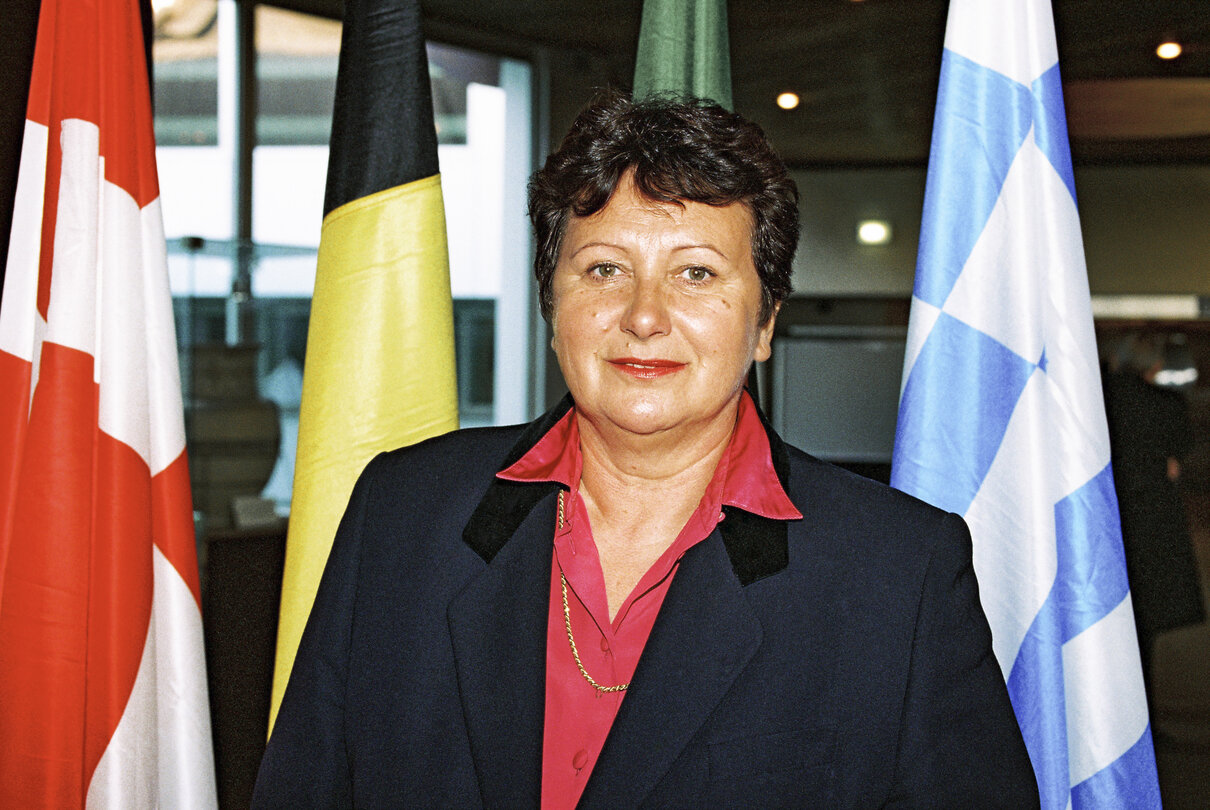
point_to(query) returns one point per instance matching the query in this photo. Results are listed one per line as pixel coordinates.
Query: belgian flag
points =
(379, 369)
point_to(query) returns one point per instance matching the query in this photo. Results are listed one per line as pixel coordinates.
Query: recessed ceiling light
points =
(873, 232)
(1168, 50)
(787, 100)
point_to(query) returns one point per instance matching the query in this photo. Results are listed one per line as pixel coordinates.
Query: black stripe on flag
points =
(382, 127)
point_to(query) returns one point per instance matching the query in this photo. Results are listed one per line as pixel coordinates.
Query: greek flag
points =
(1001, 418)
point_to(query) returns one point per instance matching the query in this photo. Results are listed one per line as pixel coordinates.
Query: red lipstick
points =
(646, 369)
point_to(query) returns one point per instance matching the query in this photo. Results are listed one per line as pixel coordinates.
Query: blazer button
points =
(604, 644)
(580, 759)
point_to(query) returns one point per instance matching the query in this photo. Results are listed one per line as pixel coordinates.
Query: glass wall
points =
(242, 306)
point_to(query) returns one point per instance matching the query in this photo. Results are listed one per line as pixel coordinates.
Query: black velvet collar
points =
(757, 545)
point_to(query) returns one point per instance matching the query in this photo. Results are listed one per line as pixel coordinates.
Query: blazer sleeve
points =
(306, 761)
(959, 745)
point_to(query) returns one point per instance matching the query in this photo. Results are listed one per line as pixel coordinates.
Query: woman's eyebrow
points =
(594, 243)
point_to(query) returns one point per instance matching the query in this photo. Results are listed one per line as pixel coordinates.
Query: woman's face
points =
(655, 313)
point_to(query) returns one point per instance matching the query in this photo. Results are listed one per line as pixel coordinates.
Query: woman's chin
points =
(652, 416)
(641, 418)
(643, 424)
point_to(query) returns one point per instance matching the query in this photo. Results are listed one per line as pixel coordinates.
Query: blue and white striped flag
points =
(1001, 417)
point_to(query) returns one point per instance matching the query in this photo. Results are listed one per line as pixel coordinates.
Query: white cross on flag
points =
(102, 675)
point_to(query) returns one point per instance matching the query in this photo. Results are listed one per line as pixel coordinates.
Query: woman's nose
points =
(647, 312)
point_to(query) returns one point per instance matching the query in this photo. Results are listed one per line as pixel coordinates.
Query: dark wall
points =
(20, 28)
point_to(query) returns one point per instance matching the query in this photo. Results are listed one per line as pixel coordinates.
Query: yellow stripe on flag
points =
(379, 372)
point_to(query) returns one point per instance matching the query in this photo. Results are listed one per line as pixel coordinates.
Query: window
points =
(242, 307)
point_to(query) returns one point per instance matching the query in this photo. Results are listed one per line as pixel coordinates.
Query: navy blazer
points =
(841, 660)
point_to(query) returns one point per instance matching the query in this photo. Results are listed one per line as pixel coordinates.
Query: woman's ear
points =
(764, 341)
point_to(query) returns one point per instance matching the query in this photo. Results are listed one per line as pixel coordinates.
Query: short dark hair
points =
(679, 149)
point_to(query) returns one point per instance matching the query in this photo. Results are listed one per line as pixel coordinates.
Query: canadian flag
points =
(102, 673)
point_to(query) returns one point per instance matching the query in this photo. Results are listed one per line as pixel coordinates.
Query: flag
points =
(102, 675)
(379, 370)
(683, 49)
(1001, 417)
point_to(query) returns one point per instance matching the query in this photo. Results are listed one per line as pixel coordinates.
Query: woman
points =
(645, 598)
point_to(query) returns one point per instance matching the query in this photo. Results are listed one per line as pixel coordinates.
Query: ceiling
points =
(867, 71)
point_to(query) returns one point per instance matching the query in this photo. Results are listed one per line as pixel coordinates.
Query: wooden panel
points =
(242, 590)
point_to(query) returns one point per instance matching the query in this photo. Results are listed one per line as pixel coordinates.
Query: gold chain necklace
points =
(571, 639)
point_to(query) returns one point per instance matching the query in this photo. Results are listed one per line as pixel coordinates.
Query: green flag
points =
(683, 49)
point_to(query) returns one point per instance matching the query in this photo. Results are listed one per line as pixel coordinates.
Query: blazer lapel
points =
(498, 630)
(703, 638)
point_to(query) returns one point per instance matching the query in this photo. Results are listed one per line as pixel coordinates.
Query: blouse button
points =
(604, 644)
(580, 759)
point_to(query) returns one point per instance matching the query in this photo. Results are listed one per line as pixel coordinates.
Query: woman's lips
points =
(646, 369)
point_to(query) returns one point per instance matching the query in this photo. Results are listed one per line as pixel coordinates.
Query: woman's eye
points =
(603, 270)
(697, 274)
